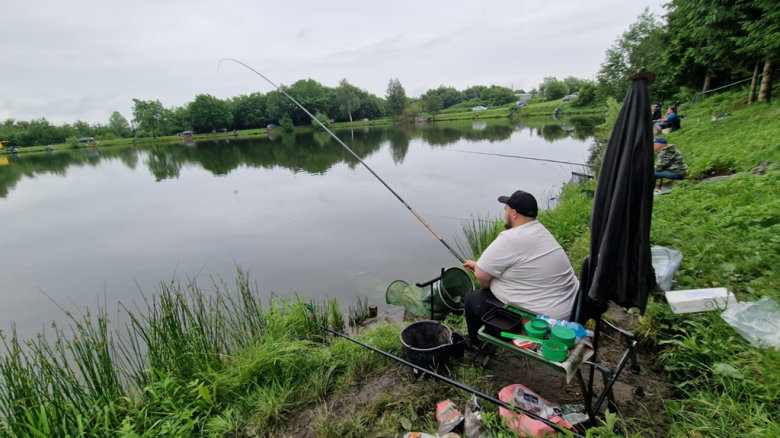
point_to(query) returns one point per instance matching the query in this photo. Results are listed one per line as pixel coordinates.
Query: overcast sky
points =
(84, 59)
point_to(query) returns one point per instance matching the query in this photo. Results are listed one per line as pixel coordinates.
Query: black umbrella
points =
(620, 267)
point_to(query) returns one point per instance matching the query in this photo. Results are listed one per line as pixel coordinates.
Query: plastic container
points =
(554, 350)
(563, 335)
(502, 320)
(536, 328)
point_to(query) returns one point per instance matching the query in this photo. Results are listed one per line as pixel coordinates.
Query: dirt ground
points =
(643, 410)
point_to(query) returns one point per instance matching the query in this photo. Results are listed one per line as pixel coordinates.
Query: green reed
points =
(95, 379)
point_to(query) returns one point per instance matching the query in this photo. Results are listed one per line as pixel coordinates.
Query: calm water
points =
(295, 210)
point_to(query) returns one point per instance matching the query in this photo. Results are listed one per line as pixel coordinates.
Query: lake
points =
(295, 210)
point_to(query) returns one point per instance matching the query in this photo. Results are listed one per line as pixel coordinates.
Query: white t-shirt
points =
(531, 269)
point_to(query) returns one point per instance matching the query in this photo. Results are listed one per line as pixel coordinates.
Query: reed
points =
(181, 358)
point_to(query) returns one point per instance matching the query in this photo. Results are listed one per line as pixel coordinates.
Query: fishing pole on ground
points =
(524, 158)
(482, 395)
(357, 157)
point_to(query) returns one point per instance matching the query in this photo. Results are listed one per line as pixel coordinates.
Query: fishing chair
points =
(583, 311)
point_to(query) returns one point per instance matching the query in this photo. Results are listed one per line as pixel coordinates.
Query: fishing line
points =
(525, 158)
(351, 152)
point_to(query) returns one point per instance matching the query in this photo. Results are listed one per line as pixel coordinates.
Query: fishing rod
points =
(525, 158)
(457, 256)
(482, 395)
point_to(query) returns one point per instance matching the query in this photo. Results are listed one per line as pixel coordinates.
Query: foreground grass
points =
(217, 364)
(192, 363)
(728, 233)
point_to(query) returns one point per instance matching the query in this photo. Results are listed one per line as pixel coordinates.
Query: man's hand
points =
(470, 265)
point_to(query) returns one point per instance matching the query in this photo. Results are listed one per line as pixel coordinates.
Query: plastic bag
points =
(530, 401)
(448, 416)
(665, 261)
(758, 322)
(474, 427)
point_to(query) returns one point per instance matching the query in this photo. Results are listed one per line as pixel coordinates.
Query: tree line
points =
(206, 113)
(697, 46)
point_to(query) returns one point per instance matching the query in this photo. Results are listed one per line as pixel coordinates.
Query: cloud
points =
(85, 60)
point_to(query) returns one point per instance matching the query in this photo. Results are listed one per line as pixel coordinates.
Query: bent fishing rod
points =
(525, 158)
(357, 157)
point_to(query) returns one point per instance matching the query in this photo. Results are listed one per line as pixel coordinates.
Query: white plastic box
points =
(700, 300)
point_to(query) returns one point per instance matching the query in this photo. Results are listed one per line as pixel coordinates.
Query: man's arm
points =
(483, 278)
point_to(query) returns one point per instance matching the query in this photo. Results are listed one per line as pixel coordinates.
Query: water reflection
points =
(311, 152)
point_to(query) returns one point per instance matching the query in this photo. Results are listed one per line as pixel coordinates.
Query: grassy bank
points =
(192, 363)
(728, 233)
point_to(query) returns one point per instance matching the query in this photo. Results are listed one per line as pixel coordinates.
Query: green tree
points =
(586, 95)
(286, 123)
(574, 84)
(761, 39)
(641, 45)
(396, 97)
(207, 113)
(432, 103)
(119, 125)
(348, 98)
(175, 120)
(546, 81)
(449, 96)
(701, 40)
(474, 92)
(83, 129)
(148, 114)
(497, 96)
(312, 95)
(249, 111)
(555, 90)
(372, 107)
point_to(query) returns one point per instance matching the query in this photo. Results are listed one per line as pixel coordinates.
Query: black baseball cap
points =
(521, 202)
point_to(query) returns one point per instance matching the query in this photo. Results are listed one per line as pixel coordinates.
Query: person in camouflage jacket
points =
(671, 164)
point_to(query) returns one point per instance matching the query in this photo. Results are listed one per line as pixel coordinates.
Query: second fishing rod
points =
(357, 157)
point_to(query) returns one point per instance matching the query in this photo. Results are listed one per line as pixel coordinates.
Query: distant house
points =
(86, 140)
(523, 96)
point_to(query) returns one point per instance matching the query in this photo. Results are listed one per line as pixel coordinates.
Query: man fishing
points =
(524, 265)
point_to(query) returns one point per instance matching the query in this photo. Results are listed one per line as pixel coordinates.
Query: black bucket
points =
(427, 344)
(458, 347)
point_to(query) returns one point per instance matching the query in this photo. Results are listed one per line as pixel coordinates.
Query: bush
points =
(323, 118)
(286, 123)
(73, 142)
(586, 96)
(555, 90)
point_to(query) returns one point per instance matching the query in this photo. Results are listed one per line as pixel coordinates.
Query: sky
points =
(85, 59)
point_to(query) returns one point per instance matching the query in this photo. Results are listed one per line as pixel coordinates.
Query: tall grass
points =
(186, 359)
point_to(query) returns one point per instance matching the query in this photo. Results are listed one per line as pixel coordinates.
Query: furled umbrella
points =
(620, 267)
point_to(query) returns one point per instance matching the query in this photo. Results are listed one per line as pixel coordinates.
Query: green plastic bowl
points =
(536, 328)
(564, 335)
(554, 350)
